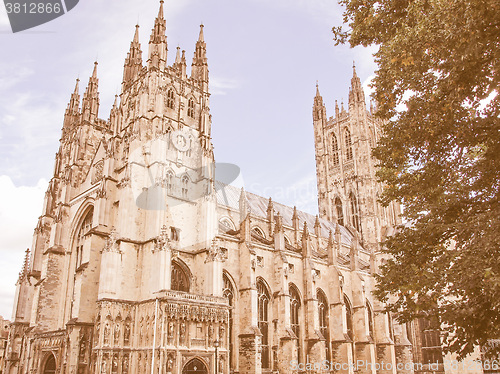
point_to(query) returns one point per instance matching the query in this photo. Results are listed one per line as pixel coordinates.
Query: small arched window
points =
(179, 279)
(170, 99)
(169, 182)
(225, 225)
(348, 318)
(335, 151)
(185, 183)
(190, 111)
(263, 310)
(258, 231)
(369, 313)
(339, 211)
(84, 228)
(348, 145)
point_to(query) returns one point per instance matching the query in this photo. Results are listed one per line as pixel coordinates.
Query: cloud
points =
(220, 86)
(20, 208)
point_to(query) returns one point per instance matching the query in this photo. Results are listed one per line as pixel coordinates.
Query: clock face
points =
(180, 141)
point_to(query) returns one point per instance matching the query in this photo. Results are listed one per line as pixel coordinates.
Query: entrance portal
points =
(195, 366)
(50, 365)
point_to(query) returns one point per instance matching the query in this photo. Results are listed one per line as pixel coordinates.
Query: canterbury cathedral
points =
(144, 262)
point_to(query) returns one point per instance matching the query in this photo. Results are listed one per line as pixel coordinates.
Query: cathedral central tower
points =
(348, 190)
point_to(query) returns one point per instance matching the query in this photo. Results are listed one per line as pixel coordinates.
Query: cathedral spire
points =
(199, 67)
(73, 109)
(318, 106)
(133, 62)
(356, 93)
(90, 102)
(157, 58)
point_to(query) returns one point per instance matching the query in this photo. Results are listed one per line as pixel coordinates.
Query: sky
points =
(264, 57)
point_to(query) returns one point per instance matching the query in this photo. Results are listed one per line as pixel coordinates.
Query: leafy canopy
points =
(436, 83)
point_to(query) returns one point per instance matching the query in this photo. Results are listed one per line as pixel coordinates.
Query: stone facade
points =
(142, 262)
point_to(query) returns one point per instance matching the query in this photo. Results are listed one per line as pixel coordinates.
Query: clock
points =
(181, 141)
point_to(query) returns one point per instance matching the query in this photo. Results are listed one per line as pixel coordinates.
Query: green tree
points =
(438, 72)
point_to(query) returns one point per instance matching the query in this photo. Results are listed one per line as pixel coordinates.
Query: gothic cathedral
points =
(142, 262)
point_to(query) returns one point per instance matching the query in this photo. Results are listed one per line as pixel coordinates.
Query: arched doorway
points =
(195, 366)
(50, 365)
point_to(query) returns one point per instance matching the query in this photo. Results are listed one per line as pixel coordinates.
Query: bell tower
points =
(348, 190)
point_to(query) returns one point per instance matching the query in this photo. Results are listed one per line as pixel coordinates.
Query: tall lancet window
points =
(228, 293)
(339, 210)
(295, 314)
(354, 211)
(348, 145)
(170, 99)
(190, 108)
(185, 182)
(335, 151)
(323, 320)
(263, 310)
(85, 227)
(369, 313)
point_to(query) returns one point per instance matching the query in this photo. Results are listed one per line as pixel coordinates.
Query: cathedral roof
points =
(229, 196)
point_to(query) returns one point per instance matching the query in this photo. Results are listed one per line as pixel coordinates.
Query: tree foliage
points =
(436, 82)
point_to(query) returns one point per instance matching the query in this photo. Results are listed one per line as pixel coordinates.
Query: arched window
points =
(50, 365)
(348, 318)
(335, 151)
(263, 310)
(185, 182)
(228, 293)
(170, 99)
(323, 310)
(169, 181)
(84, 228)
(179, 279)
(225, 225)
(369, 313)
(354, 211)
(258, 231)
(348, 145)
(294, 314)
(191, 108)
(339, 210)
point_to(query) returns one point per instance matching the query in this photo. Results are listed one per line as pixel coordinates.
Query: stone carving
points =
(182, 333)
(126, 333)
(162, 242)
(82, 348)
(125, 364)
(171, 331)
(112, 244)
(107, 332)
(116, 333)
(98, 171)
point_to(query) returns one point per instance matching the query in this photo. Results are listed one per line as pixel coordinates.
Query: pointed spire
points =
(157, 57)
(133, 61)
(336, 109)
(318, 107)
(199, 67)
(178, 56)
(25, 269)
(356, 93)
(305, 231)
(90, 102)
(200, 37)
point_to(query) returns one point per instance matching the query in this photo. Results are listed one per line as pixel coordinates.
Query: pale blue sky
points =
(264, 59)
